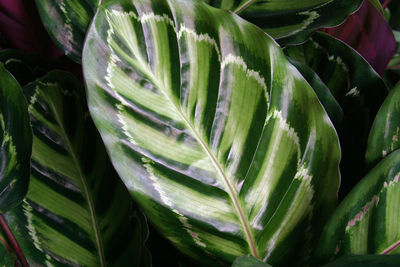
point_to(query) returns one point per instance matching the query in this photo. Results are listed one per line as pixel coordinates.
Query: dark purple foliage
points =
(368, 32)
(20, 24)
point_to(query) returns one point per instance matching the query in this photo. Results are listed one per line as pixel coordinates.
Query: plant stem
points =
(13, 242)
(244, 6)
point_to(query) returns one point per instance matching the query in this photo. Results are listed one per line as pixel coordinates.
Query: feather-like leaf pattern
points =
(77, 212)
(220, 140)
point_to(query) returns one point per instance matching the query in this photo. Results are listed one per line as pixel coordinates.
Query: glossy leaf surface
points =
(357, 88)
(67, 22)
(77, 212)
(220, 140)
(368, 32)
(384, 136)
(292, 20)
(15, 142)
(367, 220)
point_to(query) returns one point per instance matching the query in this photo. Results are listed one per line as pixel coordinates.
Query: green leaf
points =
(367, 220)
(249, 261)
(291, 21)
(357, 88)
(384, 135)
(220, 140)
(329, 102)
(77, 212)
(15, 142)
(67, 21)
(366, 261)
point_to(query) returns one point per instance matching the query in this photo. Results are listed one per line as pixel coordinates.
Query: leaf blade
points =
(171, 131)
(16, 142)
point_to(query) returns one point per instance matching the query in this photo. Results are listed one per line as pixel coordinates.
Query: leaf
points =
(378, 5)
(67, 21)
(368, 32)
(77, 212)
(366, 221)
(219, 139)
(358, 89)
(292, 21)
(249, 261)
(384, 136)
(329, 102)
(20, 24)
(15, 142)
(366, 261)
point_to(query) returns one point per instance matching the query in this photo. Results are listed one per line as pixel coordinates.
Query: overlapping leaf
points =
(77, 212)
(367, 220)
(384, 136)
(67, 22)
(358, 89)
(329, 102)
(290, 21)
(219, 139)
(368, 32)
(15, 142)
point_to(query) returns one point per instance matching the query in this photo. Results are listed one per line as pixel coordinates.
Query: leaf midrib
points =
(231, 190)
(88, 196)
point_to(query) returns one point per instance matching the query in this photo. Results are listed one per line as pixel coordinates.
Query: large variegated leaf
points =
(67, 22)
(291, 20)
(77, 212)
(384, 136)
(222, 142)
(15, 142)
(358, 89)
(367, 220)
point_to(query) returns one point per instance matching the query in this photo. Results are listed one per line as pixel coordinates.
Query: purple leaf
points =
(368, 32)
(21, 26)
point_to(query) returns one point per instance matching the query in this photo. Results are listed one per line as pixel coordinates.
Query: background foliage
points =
(230, 125)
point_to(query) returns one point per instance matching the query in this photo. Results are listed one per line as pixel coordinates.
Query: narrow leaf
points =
(366, 261)
(220, 140)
